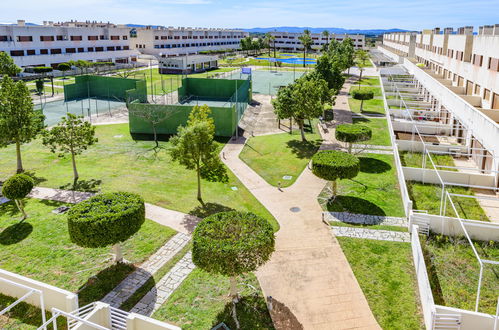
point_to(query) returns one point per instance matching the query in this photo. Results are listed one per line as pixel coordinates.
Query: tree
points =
(351, 133)
(7, 65)
(326, 35)
(307, 42)
(362, 95)
(332, 165)
(348, 51)
(231, 244)
(270, 40)
(362, 57)
(19, 122)
(194, 148)
(64, 67)
(72, 135)
(43, 70)
(153, 117)
(16, 188)
(331, 72)
(106, 219)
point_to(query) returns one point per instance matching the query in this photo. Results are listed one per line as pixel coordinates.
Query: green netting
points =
(120, 89)
(211, 89)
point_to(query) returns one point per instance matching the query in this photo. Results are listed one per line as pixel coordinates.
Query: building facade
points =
(53, 43)
(288, 41)
(187, 64)
(170, 41)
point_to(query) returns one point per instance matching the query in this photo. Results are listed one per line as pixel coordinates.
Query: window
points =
(59, 38)
(110, 48)
(93, 37)
(76, 38)
(90, 49)
(164, 37)
(115, 37)
(493, 64)
(495, 101)
(477, 59)
(486, 95)
(125, 47)
(17, 53)
(24, 38)
(70, 50)
(81, 50)
(102, 37)
(46, 38)
(125, 37)
(56, 51)
(118, 47)
(4, 38)
(477, 89)
(44, 51)
(99, 49)
(30, 52)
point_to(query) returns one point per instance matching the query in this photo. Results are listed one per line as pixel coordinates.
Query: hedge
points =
(332, 165)
(106, 219)
(17, 186)
(232, 243)
(363, 94)
(353, 133)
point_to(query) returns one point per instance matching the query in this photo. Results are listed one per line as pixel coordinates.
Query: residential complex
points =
(289, 41)
(53, 43)
(170, 41)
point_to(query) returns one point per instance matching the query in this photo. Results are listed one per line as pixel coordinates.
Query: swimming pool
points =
(291, 60)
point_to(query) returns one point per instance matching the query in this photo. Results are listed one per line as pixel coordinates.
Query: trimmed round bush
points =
(332, 165)
(42, 69)
(363, 94)
(17, 186)
(64, 67)
(232, 243)
(106, 219)
(353, 133)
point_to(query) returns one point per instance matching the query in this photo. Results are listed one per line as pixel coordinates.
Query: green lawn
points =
(117, 162)
(453, 271)
(374, 191)
(202, 302)
(377, 90)
(277, 155)
(40, 248)
(415, 159)
(371, 81)
(427, 197)
(385, 273)
(370, 106)
(379, 127)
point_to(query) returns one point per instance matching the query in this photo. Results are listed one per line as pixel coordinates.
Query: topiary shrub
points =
(16, 188)
(63, 67)
(232, 243)
(363, 94)
(106, 219)
(332, 165)
(352, 133)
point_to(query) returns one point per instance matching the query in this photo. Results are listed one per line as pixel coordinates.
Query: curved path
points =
(308, 276)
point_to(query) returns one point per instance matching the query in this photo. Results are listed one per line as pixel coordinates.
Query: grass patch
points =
(415, 159)
(454, 271)
(379, 127)
(427, 197)
(370, 81)
(377, 90)
(358, 225)
(40, 248)
(141, 292)
(274, 156)
(375, 106)
(385, 273)
(373, 191)
(118, 163)
(202, 302)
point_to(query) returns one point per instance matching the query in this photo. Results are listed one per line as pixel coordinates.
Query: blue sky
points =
(354, 14)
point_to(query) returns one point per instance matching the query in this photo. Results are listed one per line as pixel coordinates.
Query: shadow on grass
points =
(436, 288)
(103, 282)
(208, 209)
(9, 208)
(372, 112)
(304, 149)
(15, 233)
(91, 185)
(149, 285)
(252, 313)
(23, 312)
(353, 204)
(36, 179)
(373, 165)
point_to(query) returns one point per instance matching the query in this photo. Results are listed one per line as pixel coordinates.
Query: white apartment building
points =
(170, 41)
(53, 43)
(288, 41)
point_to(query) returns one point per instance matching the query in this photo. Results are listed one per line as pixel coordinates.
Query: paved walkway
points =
(139, 277)
(365, 219)
(308, 274)
(158, 295)
(366, 233)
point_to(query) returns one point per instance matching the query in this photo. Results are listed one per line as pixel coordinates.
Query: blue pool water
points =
(291, 60)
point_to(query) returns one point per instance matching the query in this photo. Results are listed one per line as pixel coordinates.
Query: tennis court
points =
(54, 111)
(268, 82)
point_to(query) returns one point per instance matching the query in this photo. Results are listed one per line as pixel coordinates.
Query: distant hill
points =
(319, 30)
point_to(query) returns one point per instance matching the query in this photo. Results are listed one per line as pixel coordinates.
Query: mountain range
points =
(334, 30)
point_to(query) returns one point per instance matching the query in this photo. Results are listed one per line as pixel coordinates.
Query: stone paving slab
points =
(138, 278)
(380, 235)
(365, 219)
(158, 295)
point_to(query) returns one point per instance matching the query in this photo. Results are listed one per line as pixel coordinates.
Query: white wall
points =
(53, 296)
(469, 320)
(139, 322)
(427, 175)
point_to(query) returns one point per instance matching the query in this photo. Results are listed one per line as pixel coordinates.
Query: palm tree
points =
(306, 41)
(270, 39)
(326, 34)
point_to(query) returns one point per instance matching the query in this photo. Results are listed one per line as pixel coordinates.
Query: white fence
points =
(427, 175)
(53, 297)
(424, 127)
(418, 146)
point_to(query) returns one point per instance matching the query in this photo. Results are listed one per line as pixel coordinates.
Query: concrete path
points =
(308, 276)
(181, 222)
